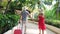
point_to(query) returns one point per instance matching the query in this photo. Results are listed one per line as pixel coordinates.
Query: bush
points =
(8, 21)
(53, 22)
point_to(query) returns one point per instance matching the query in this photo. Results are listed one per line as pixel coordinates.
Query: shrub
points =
(53, 22)
(8, 21)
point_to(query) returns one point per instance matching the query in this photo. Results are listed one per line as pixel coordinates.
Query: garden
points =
(9, 18)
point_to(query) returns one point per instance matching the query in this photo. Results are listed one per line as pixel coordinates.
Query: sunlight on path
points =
(31, 29)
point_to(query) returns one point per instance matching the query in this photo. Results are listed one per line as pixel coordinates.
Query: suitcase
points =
(18, 31)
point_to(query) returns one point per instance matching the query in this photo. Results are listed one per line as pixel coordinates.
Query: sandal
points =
(39, 33)
(24, 33)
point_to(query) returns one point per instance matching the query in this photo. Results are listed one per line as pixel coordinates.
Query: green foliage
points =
(51, 14)
(55, 23)
(48, 2)
(15, 5)
(8, 21)
(3, 3)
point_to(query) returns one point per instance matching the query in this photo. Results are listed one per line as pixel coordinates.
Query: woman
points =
(41, 22)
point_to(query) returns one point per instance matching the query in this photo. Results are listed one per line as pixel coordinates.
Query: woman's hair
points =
(41, 12)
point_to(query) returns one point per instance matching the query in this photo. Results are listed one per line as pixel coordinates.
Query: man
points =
(24, 15)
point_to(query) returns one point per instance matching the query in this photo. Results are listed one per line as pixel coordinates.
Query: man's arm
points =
(30, 16)
(20, 17)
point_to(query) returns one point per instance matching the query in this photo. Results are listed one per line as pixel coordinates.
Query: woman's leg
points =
(42, 31)
(39, 31)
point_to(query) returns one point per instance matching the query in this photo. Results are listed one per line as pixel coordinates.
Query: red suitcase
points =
(18, 31)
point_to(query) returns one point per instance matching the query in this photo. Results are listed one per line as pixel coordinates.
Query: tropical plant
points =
(8, 21)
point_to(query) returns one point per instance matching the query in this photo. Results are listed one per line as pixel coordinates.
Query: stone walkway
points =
(31, 29)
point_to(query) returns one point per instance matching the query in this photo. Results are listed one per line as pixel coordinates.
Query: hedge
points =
(55, 23)
(8, 21)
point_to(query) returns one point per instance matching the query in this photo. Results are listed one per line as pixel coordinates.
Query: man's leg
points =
(24, 27)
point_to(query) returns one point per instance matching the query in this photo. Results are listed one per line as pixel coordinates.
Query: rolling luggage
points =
(18, 30)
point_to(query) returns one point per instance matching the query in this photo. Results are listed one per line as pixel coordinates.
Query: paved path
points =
(31, 29)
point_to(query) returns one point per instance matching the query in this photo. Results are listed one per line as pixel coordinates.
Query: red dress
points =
(41, 22)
